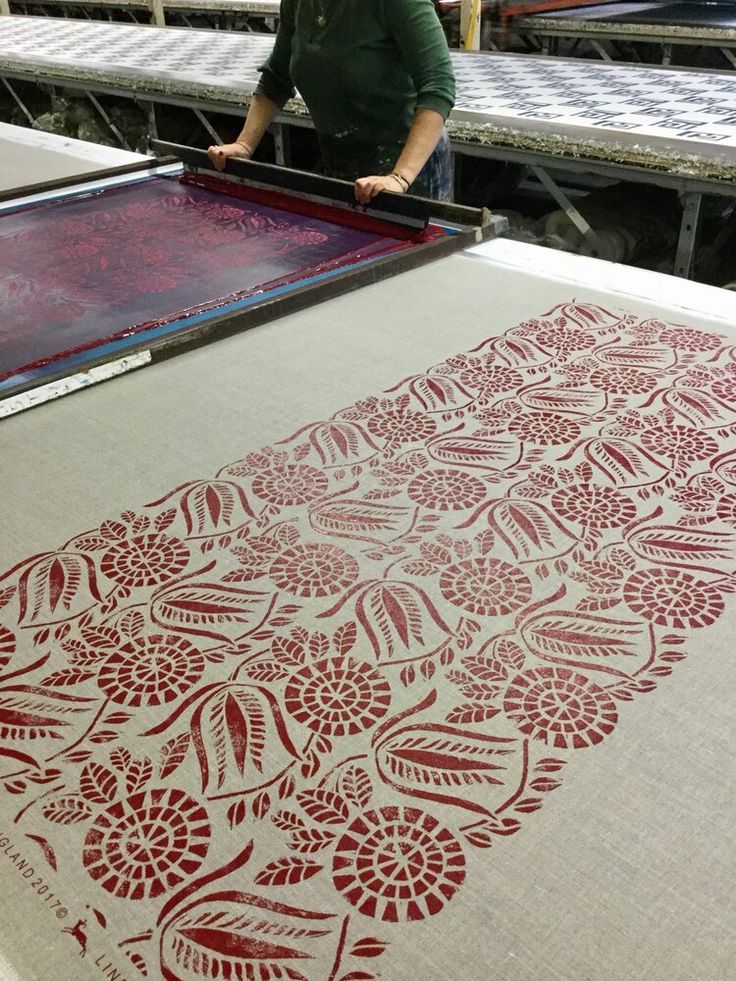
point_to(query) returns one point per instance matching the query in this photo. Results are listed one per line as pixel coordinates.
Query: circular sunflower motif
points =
(485, 586)
(397, 425)
(560, 707)
(398, 864)
(726, 511)
(446, 490)
(679, 442)
(314, 569)
(725, 388)
(151, 670)
(146, 560)
(544, 428)
(290, 484)
(689, 339)
(623, 381)
(672, 598)
(565, 340)
(491, 379)
(144, 846)
(594, 506)
(338, 696)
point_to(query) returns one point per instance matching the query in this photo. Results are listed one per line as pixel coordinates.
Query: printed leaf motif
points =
(471, 712)
(623, 463)
(356, 786)
(471, 451)
(138, 775)
(699, 408)
(311, 840)
(345, 637)
(531, 531)
(48, 852)
(554, 399)
(581, 639)
(359, 520)
(324, 806)
(368, 947)
(436, 393)
(121, 758)
(239, 935)
(210, 506)
(685, 546)
(56, 586)
(286, 872)
(28, 712)
(288, 821)
(98, 784)
(68, 676)
(655, 358)
(67, 810)
(518, 352)
(204, 607)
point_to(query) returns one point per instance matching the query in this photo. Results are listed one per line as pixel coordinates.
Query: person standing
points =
(377, 80)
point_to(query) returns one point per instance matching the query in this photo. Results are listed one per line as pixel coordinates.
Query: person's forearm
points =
(424, 135)
(261, 114)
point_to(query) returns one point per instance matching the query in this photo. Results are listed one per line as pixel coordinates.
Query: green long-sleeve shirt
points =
(362, 75)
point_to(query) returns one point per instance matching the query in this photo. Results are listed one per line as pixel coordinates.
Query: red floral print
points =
(151, 670)
(623, 381)
(561, 707)
(673, 598)
(485, 586)
(565, 340)
(314, 569)
(290, 484)
(338, 697)
(544, 428)
(399, 425)
(447, 490)
(680, 443)
(725, 388)
(489, 378)
(594, 506)
(146, 560)
(726, 508)
(689, 339)
(398, 863)
(143, 846)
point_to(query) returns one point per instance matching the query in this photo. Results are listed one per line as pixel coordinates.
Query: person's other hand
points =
(366, 188)
(219, 155)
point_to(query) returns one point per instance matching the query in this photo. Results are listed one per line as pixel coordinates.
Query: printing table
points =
(664, 127)
(248, 14)
(663, 26)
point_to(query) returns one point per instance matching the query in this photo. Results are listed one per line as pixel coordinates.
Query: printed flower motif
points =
(146, 560)
(594, 506)
(290, 484)
(672, 598)
(680, 443)
(338, 696)
(689, 339)
(485, 586)
(314, 569)
(401, 425)
(544, 428)
(623, 381)
(725, 388)
(726, 509)
(151, 670)
(491, 379)
(560, 707)
(446, 490)
(145, 845)
(398, 864)
(565, 340)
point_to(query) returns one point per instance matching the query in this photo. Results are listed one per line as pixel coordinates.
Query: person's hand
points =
(219, 155)
(366, 188)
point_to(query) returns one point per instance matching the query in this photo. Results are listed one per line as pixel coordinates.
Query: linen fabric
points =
(626, 870)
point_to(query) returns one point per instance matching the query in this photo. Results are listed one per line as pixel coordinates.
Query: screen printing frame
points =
(467, 226)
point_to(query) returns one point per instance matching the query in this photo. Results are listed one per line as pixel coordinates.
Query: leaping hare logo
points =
(77, 931)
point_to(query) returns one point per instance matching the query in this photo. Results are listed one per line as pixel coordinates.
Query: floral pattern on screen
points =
(276, 717)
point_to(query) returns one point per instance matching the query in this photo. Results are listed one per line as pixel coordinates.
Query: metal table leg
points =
(688, 233)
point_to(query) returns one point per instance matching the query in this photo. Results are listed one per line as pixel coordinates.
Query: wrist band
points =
(244, 146)
(403, 182)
